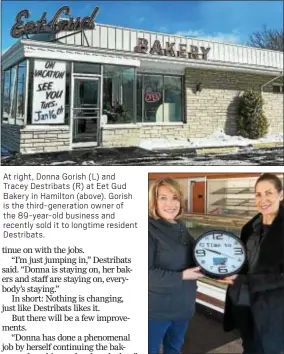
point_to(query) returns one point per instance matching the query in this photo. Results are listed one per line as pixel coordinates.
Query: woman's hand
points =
(192, 274)
(228, 280)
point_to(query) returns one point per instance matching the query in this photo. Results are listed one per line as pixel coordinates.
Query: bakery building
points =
(74, 83)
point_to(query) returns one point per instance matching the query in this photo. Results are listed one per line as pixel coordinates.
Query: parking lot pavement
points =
(135, 156)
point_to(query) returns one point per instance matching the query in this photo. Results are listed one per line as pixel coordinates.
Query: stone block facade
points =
(34, 139)
(215, 107)
(118, 136)
(44, 139)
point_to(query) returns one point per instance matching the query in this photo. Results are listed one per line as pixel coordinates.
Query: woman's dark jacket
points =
(266, 287)
(170, 252)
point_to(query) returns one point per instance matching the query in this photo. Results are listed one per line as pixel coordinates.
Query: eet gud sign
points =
(49, 92)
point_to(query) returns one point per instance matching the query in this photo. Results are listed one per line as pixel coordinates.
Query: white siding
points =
(125, 39)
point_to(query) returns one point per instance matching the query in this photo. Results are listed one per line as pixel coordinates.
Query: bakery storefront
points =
(72, 83)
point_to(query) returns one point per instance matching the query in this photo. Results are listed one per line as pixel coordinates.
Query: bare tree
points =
(268, 39)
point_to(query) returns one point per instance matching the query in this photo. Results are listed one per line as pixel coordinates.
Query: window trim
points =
(183, 115)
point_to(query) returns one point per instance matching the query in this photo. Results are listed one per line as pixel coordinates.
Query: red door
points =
(198, 197)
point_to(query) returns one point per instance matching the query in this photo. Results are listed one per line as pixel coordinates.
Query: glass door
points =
(86, 110)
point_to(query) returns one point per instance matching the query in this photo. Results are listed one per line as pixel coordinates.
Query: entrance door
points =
(86, 110)
(198, 197)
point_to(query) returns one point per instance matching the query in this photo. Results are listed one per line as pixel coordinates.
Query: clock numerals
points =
(218, 237)
(238, 250)
(200, 253)
(222, 270)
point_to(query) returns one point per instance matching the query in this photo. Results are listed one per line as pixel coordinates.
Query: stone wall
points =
(215, 107)
(44, 139)
(119, 136)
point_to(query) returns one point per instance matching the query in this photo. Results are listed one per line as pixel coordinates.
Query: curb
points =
(217, 150)
(235, 149)
(267, 145)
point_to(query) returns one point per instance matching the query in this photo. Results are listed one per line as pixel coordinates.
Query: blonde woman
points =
(172, 275)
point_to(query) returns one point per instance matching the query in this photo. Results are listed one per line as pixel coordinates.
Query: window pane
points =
(139, 98)
(128, 94)
(87, 68)
(6, 96)
(13, 95)
(21, 93)
(173, 99)
(118, 95)
(153, 98)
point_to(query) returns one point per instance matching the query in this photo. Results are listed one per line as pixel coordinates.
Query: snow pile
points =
(218, 139)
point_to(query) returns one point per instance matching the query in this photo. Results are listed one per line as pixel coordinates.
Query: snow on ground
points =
(217, 139)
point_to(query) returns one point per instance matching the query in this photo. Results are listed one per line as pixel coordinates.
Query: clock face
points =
(219, 253)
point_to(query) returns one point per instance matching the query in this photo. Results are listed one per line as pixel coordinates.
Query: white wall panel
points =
(118, 35)
(97, 36)
(111, 38)
(78, 39)
(89, 37)
(153, 37)
(147, 36)
(103, 39)
(133, 40)
(69, 40)
(126, 40)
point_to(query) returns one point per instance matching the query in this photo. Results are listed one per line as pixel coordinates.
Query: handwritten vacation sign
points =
(49, 92)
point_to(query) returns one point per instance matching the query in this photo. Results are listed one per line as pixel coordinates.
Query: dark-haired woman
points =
(255, 297)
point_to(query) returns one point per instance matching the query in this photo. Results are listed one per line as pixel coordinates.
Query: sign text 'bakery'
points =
(170, 49)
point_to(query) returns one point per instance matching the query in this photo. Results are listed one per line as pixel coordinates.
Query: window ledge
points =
(120, 126)
(140, 125)
(160, 124)
(45, 127)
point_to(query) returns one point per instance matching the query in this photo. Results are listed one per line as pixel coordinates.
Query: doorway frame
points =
(189, 194)
(100, 99)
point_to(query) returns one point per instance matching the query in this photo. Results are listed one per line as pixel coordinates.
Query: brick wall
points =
(215, 107)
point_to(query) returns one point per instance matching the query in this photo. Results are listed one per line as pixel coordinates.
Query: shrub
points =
(251, 121)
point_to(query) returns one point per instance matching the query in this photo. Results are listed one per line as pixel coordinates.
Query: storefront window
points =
(159, 98)
(153, 98)
(118, 94)
(6, 96)
(139, 101)
(173, 99)
(21, 88)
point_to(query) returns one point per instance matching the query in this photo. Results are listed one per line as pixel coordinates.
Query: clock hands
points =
(217, 252)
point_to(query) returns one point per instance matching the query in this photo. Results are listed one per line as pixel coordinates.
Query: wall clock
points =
(219, 253)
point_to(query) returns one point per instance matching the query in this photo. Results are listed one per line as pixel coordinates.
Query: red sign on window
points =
(151, 97)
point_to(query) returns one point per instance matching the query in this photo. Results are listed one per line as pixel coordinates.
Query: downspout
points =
(269, 82)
